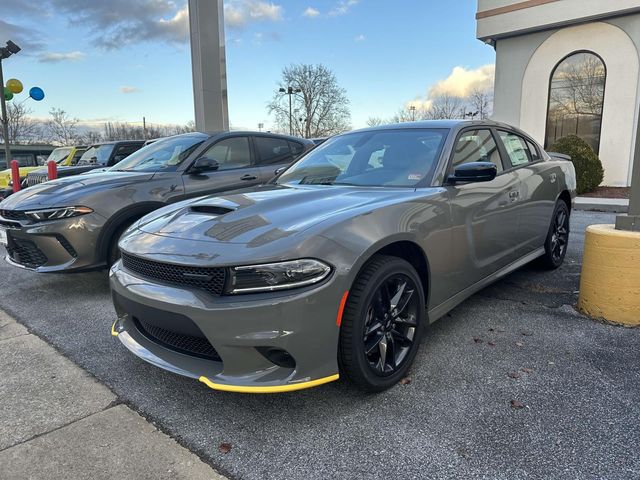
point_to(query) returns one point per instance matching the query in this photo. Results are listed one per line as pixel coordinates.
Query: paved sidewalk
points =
(57, 422)
(594, 204)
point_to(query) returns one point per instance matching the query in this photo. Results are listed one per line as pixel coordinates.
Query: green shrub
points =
(589, 171)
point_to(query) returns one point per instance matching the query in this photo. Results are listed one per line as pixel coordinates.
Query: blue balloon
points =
(36, 93)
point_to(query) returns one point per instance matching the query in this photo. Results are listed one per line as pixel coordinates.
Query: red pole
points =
(15, 175)
(53, 170)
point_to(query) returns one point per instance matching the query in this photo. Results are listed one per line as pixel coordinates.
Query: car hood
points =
(70, 190)
(265, 214)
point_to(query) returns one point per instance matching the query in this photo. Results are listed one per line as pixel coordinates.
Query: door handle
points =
(248, 177)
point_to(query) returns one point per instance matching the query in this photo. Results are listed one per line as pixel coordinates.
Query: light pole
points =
(412, 108)
(6, 52)
(290, 91)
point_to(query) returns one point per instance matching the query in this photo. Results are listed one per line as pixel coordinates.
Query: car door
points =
(483, 222)
(536, 191)
(274, 153)
(236, 168)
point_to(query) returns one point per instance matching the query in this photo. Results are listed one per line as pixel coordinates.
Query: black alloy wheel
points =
(382, 324)
(391, 323)
(557, 240)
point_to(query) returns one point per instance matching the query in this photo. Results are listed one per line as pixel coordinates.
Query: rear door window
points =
(517, 149)
(231, 153)
(273, 150)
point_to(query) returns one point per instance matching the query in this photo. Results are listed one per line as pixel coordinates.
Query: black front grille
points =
(198, 346)
(26, 253)
(13, 215)
(36, 178)
(210, 279)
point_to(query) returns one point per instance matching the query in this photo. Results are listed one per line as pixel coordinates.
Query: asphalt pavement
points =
(574, 383)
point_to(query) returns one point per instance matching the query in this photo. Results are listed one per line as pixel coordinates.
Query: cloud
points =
(238, 13)
(115, 24)
(311, 12)
(360, 38)
(31, 41)
(462, 81)
(56, 57)
(127, 89)
(343, 7)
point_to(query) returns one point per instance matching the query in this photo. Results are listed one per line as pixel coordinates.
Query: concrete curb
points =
(593, 204)
(58, 422)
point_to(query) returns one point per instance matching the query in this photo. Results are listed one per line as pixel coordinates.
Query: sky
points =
(120, 60)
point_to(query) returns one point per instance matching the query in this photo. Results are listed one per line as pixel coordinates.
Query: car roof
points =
(260, 134)
(448, 124)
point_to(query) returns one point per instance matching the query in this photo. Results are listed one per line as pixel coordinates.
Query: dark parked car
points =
(337, 266)
(74, 223)
(100, 155)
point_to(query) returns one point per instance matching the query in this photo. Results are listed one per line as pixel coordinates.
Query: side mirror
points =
(204, 164)
(280, 170)
(474, 172)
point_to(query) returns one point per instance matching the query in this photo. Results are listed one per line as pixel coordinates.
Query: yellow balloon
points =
(14, 85)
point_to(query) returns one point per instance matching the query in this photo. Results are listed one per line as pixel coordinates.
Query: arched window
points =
(576, 97)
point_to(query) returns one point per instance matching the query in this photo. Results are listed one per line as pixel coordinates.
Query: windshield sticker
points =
(415, 176)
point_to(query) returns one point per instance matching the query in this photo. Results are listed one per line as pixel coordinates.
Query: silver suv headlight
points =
(276, 276)
(57, 213)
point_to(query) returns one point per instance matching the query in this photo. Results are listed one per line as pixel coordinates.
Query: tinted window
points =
(476, 146)
(165, 154)
(393, 158)
(296, 148)
(230, 153)
(76, 156)
(516, 148)
(533, 150)
(273, 150)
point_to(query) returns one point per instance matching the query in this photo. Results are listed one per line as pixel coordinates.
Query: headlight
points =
(57, 213)
(277, 276)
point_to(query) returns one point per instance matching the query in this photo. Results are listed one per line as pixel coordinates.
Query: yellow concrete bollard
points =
(610, 280)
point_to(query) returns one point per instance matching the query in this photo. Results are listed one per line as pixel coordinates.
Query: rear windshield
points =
(378, 158)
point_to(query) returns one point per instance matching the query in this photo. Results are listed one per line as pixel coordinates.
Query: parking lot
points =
(519, 340)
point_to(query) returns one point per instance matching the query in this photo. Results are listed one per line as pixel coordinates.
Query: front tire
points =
(382, 324)
(557, 241)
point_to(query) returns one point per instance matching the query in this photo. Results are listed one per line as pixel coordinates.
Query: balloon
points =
(14, 85)
(8, 94)
(36, 93)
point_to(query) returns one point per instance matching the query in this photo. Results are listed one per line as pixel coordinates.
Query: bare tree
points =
(321, 108)
(375, 121)
(480, 101)
(446, 106)
(90, 137)
(61, 128)
(22, 128)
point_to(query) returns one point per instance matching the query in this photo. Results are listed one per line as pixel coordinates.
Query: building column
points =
(631, 221)
(206, 26)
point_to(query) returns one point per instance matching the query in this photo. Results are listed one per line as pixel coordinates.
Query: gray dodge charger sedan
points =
(336, 267)
(74, 223)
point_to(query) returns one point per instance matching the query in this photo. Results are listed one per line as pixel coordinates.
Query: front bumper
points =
(300, 322)
(54, 246)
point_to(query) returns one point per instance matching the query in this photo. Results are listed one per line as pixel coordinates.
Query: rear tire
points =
(382, 324)
(557, 241)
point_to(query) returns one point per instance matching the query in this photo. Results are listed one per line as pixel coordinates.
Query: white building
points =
(569, 67)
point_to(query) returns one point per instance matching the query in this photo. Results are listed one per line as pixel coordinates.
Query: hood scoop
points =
(211, 209)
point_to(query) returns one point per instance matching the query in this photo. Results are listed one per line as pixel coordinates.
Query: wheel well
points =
(413, 254)
(566, 198)
(118, 221)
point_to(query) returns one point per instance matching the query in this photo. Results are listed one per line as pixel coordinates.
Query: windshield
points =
(97, 154)
(59, 154)
(379, 158)
(165, 154)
